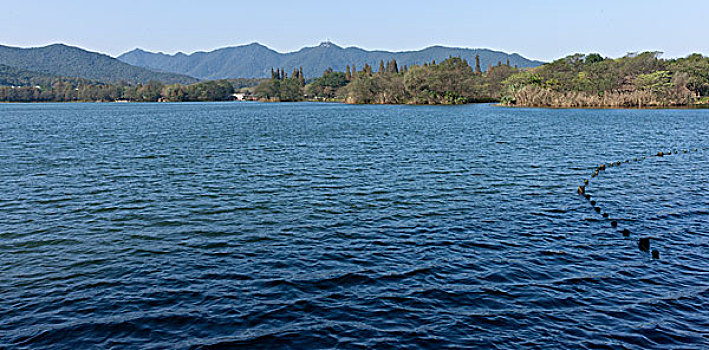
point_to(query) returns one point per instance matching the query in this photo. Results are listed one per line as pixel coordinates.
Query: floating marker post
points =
(626, 232)
(655, 254)
(644, 244)
(614, 223)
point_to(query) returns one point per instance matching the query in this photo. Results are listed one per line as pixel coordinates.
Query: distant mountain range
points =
(255, 60)
(28, 66)
(69, 61)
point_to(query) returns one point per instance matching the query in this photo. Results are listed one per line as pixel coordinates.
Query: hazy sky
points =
(541, 29)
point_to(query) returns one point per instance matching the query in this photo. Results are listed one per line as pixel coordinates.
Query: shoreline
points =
(494, 104)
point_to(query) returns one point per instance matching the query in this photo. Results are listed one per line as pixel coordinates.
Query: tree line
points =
(635, 80)
(81, 90)
(452, 81)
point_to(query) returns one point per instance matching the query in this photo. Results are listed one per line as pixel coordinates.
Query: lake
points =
(247, 225)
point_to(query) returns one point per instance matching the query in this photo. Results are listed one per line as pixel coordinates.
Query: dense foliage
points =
(59, 89)
(636, 80)
(282, 88)
(452, 81)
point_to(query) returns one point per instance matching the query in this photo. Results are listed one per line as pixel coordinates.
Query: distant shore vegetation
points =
(25, 86)
(577, 81)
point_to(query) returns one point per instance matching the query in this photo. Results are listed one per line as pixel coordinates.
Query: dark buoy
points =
(644, 244)
(655, 254)
(585, 182)
(660, 154)
(617, 163)
(582, 190)
(602, 167)
(597, 209)
(626, 232)
(606, 215)
(588, 196)
(614, 223)
(593, 203)
(676, 152)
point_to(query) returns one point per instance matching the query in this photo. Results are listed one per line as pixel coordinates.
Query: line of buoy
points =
(643, 242)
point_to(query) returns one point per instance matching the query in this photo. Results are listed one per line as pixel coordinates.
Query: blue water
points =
(330, 226)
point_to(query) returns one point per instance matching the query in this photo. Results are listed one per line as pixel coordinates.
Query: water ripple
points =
(212, 226)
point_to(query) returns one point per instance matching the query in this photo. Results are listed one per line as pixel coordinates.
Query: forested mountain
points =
(68, 61)
(11, 76)
(256, 61)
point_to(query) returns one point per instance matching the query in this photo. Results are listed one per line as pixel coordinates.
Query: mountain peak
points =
(136, 50)
(328, 44)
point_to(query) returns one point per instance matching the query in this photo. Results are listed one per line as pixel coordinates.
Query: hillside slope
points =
(68, 61)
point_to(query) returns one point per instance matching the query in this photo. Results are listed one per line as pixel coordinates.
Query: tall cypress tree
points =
(508, 62)
(477, 65)
(393, 67)
(381, 67)
(367, 69)
(348, 74)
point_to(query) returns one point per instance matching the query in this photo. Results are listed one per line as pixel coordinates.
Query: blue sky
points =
(542, 29)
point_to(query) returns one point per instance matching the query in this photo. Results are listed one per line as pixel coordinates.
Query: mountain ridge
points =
(255, 60)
